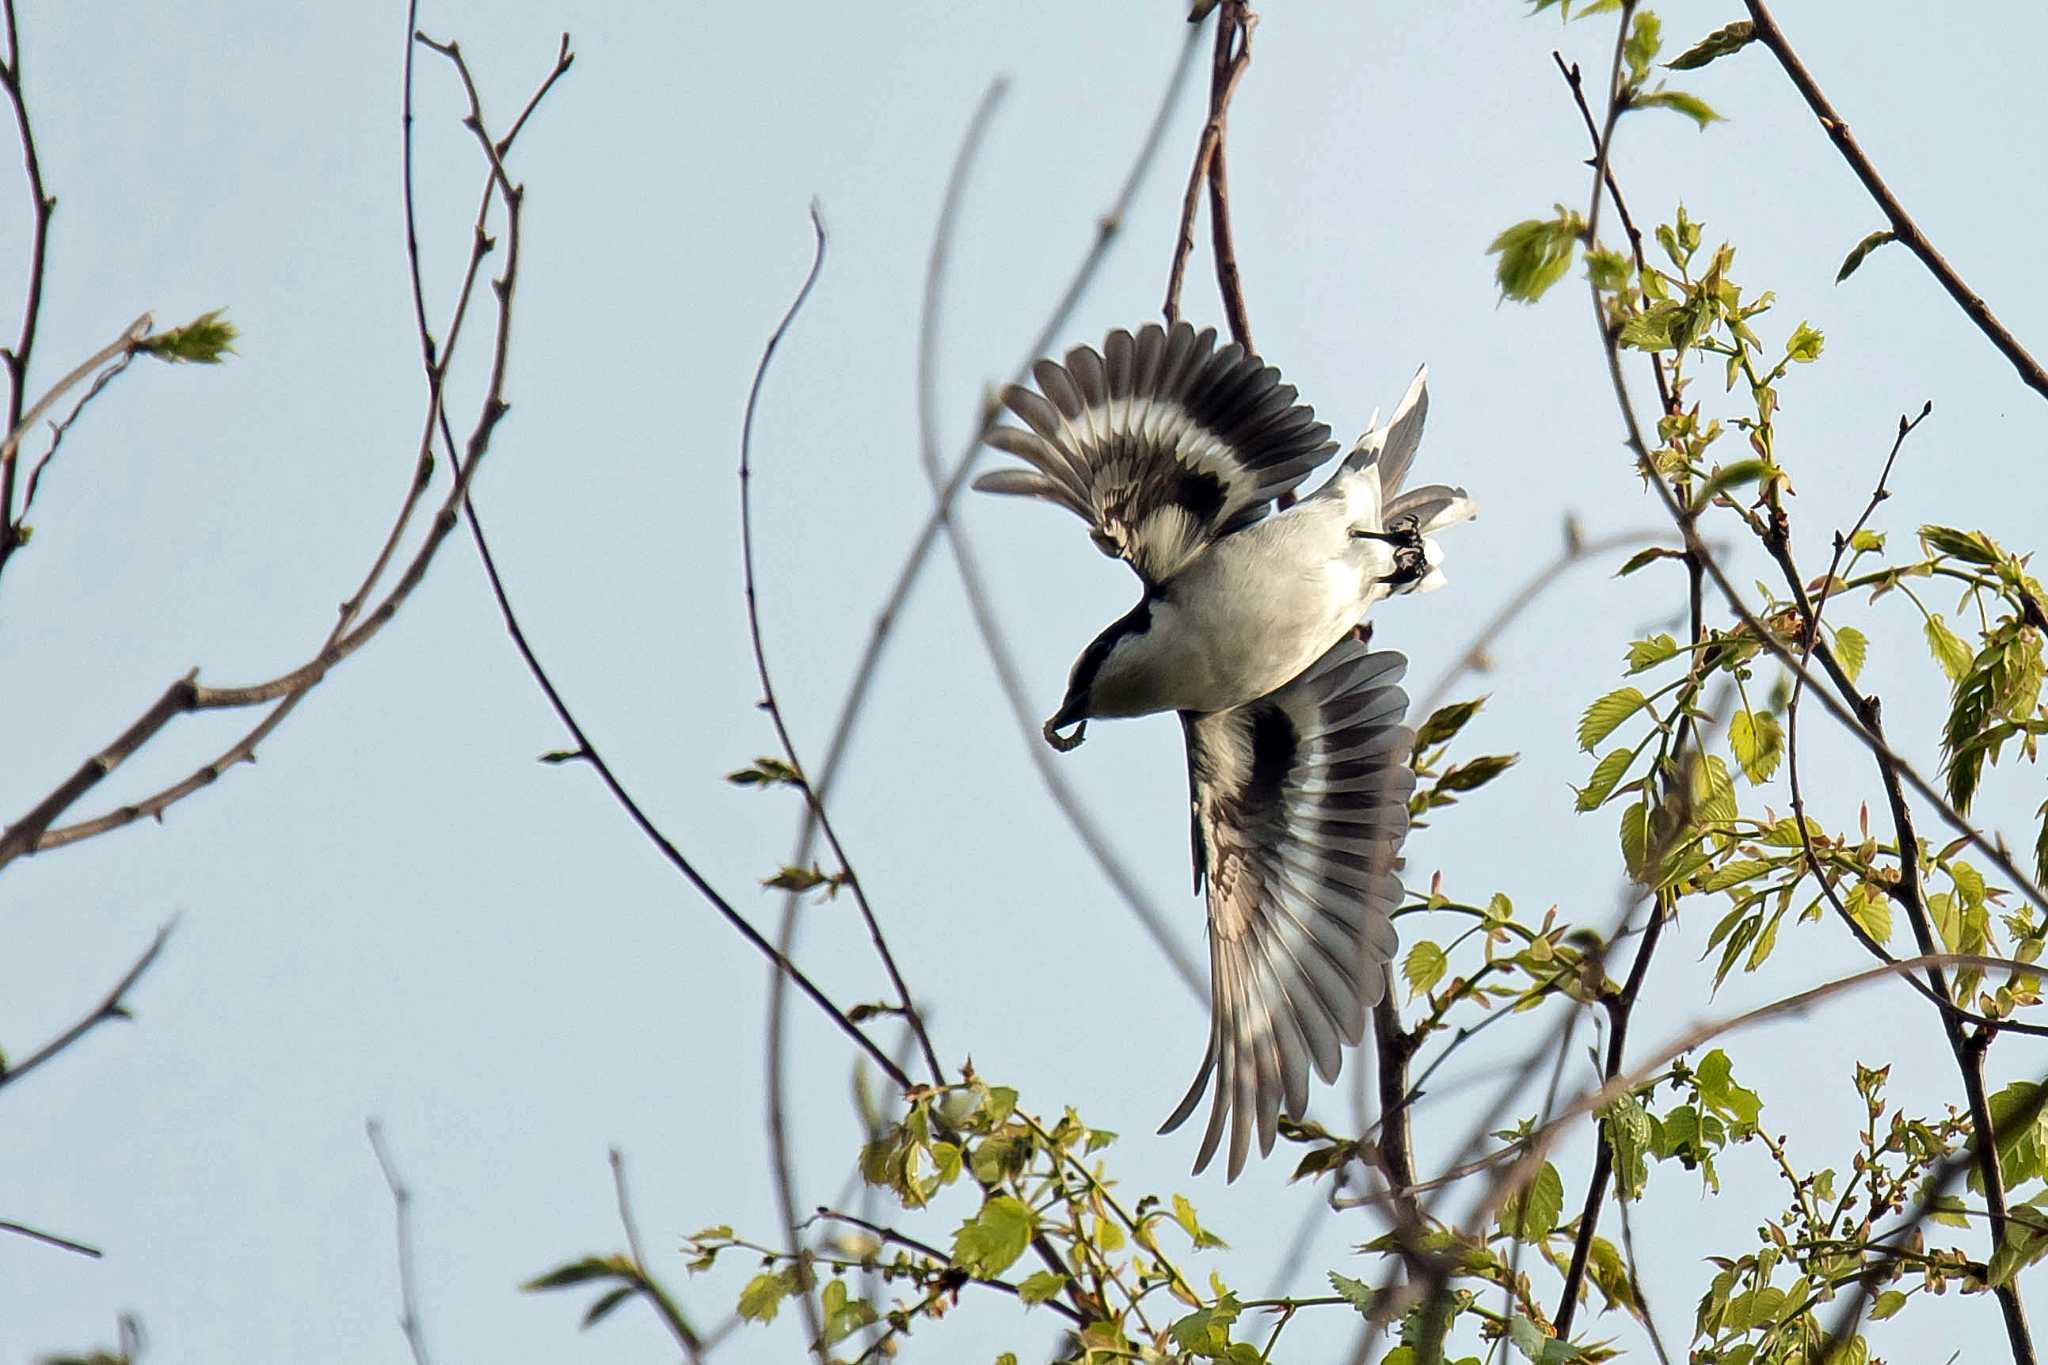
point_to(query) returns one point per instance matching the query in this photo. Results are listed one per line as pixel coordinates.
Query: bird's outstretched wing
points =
(1162, 443)
(1300, 806)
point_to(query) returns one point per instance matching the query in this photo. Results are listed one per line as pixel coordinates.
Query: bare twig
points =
(33, 833)
(892, 1237)
(768, 701)
(664, 1307)
(1233, 53)
(42, 205)
(401, 1209)
(58, 430)
(114, 1005)
(1909, 234)
(50, 1239)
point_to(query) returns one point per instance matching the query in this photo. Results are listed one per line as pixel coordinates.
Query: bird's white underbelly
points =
(1234, 641)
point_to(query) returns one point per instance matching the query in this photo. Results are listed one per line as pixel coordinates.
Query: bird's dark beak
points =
(1070, 713)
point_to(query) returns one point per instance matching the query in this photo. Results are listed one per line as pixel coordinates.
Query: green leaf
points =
(1645, 36)
(606, 1302)
(1531, 1214)
(1732, 475)
(1535, 254)
(1886, 1304)
(1851, 648)
(1206, 1331)
(762, 1298)
(1635, 839)
(1357, 1293)
(1757, 742)
(1721, 42)
(1606, 774)
(1476, 773)
(1040, 1287)
(1805, 344)
(1423, 967)
(1445, 722)
(1721, 1094)
(1973, 547)
(1863, 248)
(1629, 1132)
(2022, 1146)
(579, 1272)
(1647, 654)
(1692, 106)
(989, 1242)
(1649, 556)
(1659, 327)
(206, 340)
(1537, 1345)
(1948, 648)
(797, 878)
(766, 772)
(1608, 712)
(1869, 908)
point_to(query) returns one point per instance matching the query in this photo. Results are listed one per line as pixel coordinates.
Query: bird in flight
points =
(1175, 451)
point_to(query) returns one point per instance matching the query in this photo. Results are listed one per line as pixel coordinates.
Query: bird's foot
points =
(1065, 743)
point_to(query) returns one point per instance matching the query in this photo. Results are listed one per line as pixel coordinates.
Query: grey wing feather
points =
(1300, 808)
(1163, 442)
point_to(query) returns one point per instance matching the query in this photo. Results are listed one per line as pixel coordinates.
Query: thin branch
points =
(401, 1216)
(50, 1239)
(664, 1307)
(892, 1237)
(1229, 64)
(112, 1006)
(1226, 68)
(1909, 234)
(42, 205)
(768, 701)
(58, 430)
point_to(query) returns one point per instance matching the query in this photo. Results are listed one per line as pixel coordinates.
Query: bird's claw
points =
(1065, 743)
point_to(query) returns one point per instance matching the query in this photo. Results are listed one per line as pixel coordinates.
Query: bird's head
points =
(1109, 679)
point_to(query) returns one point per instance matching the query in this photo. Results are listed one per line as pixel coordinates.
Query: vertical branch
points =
(1233, 53)
(16, 358)
(401, 1206)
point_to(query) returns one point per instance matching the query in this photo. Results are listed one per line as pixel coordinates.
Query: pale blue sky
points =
(399, 913)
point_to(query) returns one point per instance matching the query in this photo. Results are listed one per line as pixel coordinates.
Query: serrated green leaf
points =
(1851, 648)
(1678, 101)
(1606, 774)
(1886, 1304)
(1635, 838)
(1757, 742)
(1948, 648)
(1729, 38)
(1535, 254)
(1869, 908)
(1423, 967)
(1804, 346)
(1647, 654)
(1629, 1131)
(206, 340)
(762, 1297)
(987, 1244)
(1531, 1214)
(1862, 249)
(1357, 1293)
(1040, 1287)
(1656, 328)
(1604, 715)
